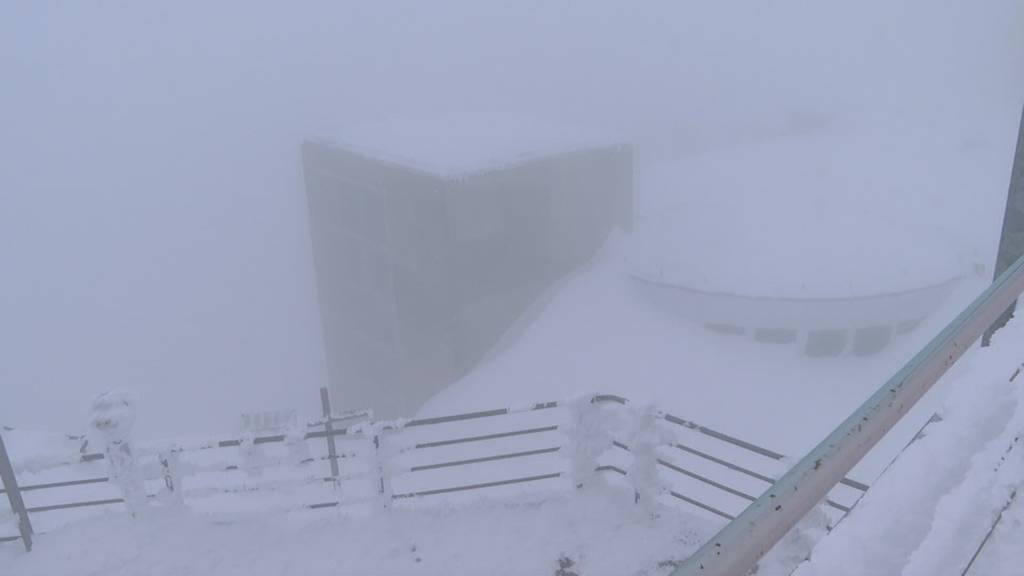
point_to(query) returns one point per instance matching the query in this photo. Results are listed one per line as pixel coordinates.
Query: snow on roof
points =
(596, 333)
(820, 216)
(450, 144)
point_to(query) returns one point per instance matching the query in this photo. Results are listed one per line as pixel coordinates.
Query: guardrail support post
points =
(1011, 242)
(14, 496)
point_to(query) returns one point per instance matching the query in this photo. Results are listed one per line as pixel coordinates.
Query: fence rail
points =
(380, 463)
(735, 550)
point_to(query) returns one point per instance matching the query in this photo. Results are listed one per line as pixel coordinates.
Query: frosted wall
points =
(420, 274)
(820, 326)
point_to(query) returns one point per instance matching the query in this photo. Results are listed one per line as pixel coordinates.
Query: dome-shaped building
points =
(783, 244)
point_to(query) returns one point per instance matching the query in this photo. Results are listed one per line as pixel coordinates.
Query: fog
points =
(153, 222)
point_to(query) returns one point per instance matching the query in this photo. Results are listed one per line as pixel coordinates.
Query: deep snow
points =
(930, 511)
(927, 514)
(595, 332)
(601, 532)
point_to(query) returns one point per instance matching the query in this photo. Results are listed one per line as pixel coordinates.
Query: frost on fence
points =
(113, 416)
(645, 436)
(587, 442)
(170, 492)
(380, 457)
(591, 430)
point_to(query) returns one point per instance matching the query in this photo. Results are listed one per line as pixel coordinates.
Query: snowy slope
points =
(602, 533)
(930, 512)
(596, 333)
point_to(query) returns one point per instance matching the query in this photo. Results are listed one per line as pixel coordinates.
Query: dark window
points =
(871, 339)
(730, 329)
(822, 343)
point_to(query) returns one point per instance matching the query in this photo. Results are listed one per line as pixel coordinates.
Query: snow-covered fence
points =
(9, 485)
(45, 487)
(722, 474)
(348, 461)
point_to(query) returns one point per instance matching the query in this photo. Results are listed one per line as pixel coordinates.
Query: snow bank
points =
(596, 332)
(930, 511)
(603, 533)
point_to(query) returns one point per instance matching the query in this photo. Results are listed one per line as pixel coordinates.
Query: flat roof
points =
(450, 144)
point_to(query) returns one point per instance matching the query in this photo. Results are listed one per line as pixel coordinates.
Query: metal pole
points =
(14, 496)
(332, 451)
(1011, 242)
(740, 544)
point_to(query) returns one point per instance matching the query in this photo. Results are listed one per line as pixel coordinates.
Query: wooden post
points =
(14, 496)
(332, 450)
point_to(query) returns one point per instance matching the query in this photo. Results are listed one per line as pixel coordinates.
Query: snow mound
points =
(930, 512)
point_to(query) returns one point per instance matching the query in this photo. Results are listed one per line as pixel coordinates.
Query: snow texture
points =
(930, 511)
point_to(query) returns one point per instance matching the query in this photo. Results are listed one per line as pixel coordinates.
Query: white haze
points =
(153, 231)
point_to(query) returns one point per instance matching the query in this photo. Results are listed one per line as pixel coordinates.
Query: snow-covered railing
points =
(735, 550)
(529, 451)
(728, 466)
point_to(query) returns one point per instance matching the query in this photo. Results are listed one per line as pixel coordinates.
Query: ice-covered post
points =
(382, 466)
(171, 492)
(645, 438)
(590, 430)
(113, 415)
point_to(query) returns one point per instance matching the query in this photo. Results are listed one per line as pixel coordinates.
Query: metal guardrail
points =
(735, 550)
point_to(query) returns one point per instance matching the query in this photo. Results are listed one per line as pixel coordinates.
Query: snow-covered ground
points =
(930, 512)
(155, 238)
(597, 333)
(927, 514)
(246, 509)
(601, 532)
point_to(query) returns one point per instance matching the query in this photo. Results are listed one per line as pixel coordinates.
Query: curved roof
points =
(449, 144)
(796, 218)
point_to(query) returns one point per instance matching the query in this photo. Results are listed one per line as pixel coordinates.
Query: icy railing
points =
(735, 550)
(524, 452)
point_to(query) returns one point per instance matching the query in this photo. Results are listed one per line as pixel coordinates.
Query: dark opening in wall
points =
(871, 340)
(822, 343)
(730, 329)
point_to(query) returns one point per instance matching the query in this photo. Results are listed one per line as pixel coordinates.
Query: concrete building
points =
(419, 273)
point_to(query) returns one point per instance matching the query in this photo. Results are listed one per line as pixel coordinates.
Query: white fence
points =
(528, 452)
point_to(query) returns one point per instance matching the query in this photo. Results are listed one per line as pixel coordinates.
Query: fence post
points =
(332, 450)
(645, 437)
(171, 492)
(381, 458)
(113, 418)
(591, 432)
(14, 496)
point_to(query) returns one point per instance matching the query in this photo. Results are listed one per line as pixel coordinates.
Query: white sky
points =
(152, 218)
